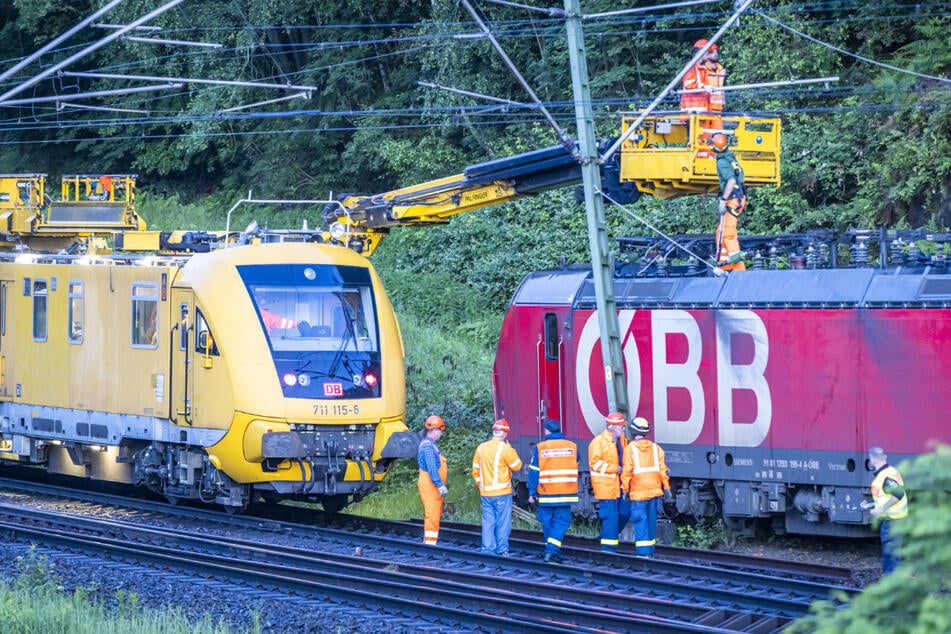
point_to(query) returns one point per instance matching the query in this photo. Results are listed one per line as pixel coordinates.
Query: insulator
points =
(663, 269)
(895, 256)
(859, 255)
(773, 258)
(811, 257)
(940, 259)
(824, 254)
(691, 265)
(911, 256)
(759, 262)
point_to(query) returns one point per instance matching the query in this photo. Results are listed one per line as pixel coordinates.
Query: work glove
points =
(443, 490)
(668, 496)
(722, 206)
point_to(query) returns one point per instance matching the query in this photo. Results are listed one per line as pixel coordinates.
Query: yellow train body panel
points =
(271, 370)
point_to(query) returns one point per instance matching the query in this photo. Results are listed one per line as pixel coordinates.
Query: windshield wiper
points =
(348, 335)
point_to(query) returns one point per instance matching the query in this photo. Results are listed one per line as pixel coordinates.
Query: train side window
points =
(204, 341)
(145, 316)
(551, 336)
(183, 326)
(39, 310)
(3, 310)
(75, 317)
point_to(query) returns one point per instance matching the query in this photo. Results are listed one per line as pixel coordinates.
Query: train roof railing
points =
(674, 255)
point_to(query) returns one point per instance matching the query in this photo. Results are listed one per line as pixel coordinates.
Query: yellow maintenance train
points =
(272, 369)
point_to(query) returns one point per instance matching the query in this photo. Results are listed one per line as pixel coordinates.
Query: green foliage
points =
(35, 602)
(916, 597)
(706, 535)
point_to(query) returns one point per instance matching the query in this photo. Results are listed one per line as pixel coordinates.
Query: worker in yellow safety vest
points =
(433, 471)
(494, 463)
(646, 481)
(890, 503)
(553, 483)
(605, 459)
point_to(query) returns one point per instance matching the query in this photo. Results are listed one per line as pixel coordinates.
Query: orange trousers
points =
(432, 502)
(726, 236)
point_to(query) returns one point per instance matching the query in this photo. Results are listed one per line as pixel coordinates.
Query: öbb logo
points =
(715, 365)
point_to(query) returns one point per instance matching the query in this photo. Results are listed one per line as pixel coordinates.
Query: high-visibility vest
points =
(603, 463)
(645, 472)
(492, 467)
(704, 75)
(896, 511)
(557, 471)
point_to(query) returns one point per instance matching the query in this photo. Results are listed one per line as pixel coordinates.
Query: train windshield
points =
(320, 322)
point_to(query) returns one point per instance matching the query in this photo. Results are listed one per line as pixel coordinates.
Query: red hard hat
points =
(719, 141)
(615, 418)
(702, 43)
(435, 422)
(501, 425)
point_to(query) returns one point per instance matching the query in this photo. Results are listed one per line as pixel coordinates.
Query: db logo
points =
(333, 389)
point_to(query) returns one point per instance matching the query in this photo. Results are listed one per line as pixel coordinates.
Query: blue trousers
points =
(644, 514)
(555, 519)
(890, 545)
(614, 516)
(496, 523)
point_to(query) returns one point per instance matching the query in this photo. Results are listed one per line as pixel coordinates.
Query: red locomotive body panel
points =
(770, 404)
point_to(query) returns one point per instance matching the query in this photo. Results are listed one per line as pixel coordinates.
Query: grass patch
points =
(35, 601)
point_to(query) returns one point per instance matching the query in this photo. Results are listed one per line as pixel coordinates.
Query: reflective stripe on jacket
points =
(896, 511)
(492, 467)
(603, 461)
(645, 472)
(554, 471)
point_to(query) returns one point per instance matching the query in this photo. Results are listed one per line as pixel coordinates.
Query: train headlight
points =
(369, 379)
(357, 380)
(290, 379)
(303, 380)
(337, 230)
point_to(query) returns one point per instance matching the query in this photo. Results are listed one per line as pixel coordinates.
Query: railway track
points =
(388, 563)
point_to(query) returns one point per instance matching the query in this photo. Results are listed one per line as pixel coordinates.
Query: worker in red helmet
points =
(732, 204)
(432, 477)
(493, 464)
(708, 76)
(553, 483)
(646, 481)
(605, 459)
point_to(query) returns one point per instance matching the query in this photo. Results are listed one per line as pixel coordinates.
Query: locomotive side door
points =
(182, 367)
(549, 353)
(7, 339)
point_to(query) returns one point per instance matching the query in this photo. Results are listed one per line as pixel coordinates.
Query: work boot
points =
(552, 558)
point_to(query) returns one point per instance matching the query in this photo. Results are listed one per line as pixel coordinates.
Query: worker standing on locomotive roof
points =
(493, 464)
(732, 204)
(432, 477)
(645, 479)
(553, 483)
(605, 459)
(891, 503)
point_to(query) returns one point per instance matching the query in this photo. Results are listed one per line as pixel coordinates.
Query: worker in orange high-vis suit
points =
(605, 459)
(707, 76)
(553, 483)
(432, 477)
(646, 481)
(732, 203)
(493, 464)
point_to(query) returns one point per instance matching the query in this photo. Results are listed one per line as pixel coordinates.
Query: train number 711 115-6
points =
(321, 409)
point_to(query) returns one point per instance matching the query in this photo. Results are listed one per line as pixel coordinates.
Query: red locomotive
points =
(766, 388)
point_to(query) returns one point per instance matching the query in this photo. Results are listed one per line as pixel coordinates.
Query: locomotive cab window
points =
(551, 336)
(183, 324)
(145, 316)
(40, 307)
(75, 317)
(204, 341)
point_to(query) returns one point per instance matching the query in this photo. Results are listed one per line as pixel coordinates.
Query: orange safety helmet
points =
(435, 422)
(719, 142)
(702, 43)
(615, 418)
(501, 425)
